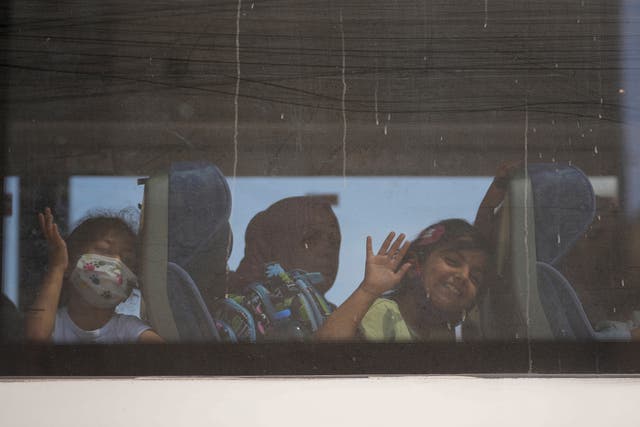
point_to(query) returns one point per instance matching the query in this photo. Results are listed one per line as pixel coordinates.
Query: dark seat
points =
(186, 228)
(193, 320)
(564, 207)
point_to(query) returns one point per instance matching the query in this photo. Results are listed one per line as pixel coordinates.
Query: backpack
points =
(285, 307)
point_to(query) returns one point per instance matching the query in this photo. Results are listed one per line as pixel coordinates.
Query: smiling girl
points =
(434, 282)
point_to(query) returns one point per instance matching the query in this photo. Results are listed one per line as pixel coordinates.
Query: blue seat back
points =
(199, 235)
(564, 206)
(192, 318)
(562, 306)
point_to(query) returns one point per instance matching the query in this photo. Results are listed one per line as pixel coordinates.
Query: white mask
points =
(103, 282)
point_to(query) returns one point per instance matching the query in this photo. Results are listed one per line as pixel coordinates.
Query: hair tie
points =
(431, 235)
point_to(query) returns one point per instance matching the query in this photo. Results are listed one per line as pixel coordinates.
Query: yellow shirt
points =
(383, 322)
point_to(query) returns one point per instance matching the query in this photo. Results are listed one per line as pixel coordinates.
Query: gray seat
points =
(186, 228)
(193, 320)
(564, 207)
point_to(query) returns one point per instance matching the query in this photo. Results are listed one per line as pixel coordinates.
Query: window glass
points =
(248, 149)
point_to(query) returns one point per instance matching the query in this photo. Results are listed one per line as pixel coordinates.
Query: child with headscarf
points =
(296, 232)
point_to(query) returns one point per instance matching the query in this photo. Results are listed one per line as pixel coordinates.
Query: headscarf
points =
(298, 233)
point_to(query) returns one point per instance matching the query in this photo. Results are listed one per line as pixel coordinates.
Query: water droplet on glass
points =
(595, 38)
(599, 218)
(516, 80)
(389, 117)
(620, 91)
(435, 163)
(556, 65)
(558, 238)
(252, 5)
(385, 129)
(595, 149)
(601, 100)
(553, 159)
(539, 155)
(281, 116)
(441, 138)
(534, 130)
(582, 135)
(599, 116)
(578, 124)
(577, 21)
(622, 283)
(614, 309)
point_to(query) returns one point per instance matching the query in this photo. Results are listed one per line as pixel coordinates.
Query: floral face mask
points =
(103, 282)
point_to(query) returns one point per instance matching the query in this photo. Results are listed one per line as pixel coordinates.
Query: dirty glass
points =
(254, 145)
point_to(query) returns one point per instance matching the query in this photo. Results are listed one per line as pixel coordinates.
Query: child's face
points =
(113, 246)
(452, 278)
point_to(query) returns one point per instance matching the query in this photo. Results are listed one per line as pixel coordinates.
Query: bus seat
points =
(556, 204)
(562, 306)
(565, 312)
(199, 208)
(185, 222)
(192, 318)
(564, 207)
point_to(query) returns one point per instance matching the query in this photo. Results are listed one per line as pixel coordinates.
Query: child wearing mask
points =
(99, 277)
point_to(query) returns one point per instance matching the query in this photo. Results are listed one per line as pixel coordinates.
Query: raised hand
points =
(58, 256)
(381, 270)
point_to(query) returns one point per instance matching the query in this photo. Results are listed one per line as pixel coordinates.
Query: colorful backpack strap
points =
(226, 332)
(314, 314)
(314, 279)
(238, 317)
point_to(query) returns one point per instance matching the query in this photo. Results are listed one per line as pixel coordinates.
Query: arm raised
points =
(40, 318)
(381, 274)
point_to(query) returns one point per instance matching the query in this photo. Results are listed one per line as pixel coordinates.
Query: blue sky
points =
(367, 206)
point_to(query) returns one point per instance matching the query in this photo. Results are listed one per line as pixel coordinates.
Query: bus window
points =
(250, 148)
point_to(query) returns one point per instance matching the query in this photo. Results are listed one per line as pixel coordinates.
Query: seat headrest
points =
(199, 206)
(564, 207)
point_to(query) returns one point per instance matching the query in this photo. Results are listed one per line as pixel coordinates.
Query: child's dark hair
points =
(450, 234)
(93, 229)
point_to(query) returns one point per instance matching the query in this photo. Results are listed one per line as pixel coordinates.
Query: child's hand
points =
(58, 257)
(505, 172)
(381, 270)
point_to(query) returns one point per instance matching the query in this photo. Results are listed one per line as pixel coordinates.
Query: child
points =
(440, 274)
(297, 232)
(97, 279)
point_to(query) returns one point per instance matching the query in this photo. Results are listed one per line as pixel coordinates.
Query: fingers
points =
(507, 168)
(42, 226)
(403, 250)
(386, 243)
(390, 248)
(393, 250)
(55, 233)
(369, 247)
(403, 270)
(48, 227)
